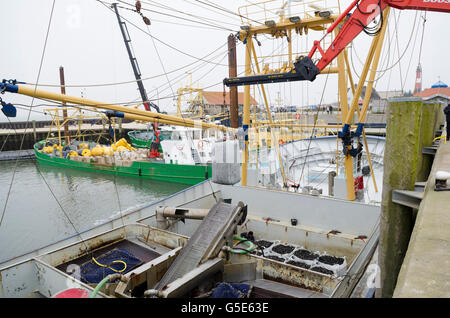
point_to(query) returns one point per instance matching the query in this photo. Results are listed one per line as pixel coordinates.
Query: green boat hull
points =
(186, 174)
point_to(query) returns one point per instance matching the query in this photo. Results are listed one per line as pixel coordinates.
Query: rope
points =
(312, 132)
(115, 270)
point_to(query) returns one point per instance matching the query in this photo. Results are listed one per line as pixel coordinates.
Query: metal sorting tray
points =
(143, 254)
(301, 257)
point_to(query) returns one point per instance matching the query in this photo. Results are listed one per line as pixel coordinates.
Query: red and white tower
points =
(418, 86)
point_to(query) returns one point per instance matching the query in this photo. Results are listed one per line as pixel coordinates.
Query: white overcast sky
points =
(85, 38)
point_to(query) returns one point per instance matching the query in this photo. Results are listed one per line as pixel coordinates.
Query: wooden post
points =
(439, 116)
(34, 130)
(63, 91)
(246, 108)
(232, 71)
(400, 171)
(426, 139)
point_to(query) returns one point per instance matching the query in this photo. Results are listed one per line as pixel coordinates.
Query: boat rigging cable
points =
(133, 81)
(383, 71)
(403, 82)
(314, 128)
(173, 93)
(29, 113)
(174, 16)
(21, 143)
(147, 78)
(215, 11)
(166, 44)
(210, 71)
(203, 59)
(213, 5)
(207, 20)
(420, 52)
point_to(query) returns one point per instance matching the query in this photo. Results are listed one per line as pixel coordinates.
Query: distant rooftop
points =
(438, 89)
(439, 84)
(217, 98)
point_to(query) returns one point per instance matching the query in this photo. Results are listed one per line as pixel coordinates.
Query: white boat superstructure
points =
(308, 163)
(184, 145)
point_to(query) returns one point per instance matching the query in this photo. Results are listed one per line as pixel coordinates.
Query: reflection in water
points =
(42, 196)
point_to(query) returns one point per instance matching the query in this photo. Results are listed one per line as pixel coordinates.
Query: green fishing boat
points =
(141, 138)
(149, 168)
(144, 138)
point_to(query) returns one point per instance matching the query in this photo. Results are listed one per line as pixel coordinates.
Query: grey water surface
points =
(46, 204)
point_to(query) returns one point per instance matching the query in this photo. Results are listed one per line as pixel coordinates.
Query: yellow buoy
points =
(86, 153)
(48, 149)
(123, 142)
(97, 151)
(108, 151)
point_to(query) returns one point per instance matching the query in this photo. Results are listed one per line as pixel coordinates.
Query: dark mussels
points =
(275, 258)
(283, 249)
(264, 243)
(298, 264)
(331, 260)
(306, 255)
(321, 270)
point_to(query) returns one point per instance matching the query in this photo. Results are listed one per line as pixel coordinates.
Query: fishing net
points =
(114, 261)
(231, 290)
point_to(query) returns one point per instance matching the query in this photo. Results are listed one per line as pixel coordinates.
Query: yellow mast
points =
(126, 112)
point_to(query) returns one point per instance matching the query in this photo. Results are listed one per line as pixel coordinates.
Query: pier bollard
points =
(403, 125)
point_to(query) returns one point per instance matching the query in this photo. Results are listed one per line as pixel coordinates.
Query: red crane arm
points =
(426, 5)
(365, 11)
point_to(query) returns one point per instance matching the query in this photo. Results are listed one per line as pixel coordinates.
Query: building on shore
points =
(379, 106)
(216, 103)
(438, 92)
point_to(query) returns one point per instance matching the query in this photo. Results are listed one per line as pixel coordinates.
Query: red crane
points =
(355, 19)
(364, 12)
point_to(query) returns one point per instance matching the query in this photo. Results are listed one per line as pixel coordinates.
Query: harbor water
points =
(46, 204)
